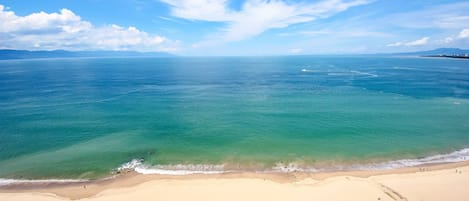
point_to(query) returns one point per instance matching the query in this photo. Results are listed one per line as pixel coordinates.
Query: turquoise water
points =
(83, 118)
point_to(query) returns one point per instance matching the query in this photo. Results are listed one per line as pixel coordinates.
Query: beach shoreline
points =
(134, 182)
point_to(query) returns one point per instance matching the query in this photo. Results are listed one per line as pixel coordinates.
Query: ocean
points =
(87, 118)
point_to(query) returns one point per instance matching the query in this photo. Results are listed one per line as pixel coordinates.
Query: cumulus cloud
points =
(456, 39)
(66, 30)
(418, 42)
(464, 33)
(255, 16)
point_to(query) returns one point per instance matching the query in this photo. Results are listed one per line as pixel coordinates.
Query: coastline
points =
(411, 183)
(449, 56)
(386, 124)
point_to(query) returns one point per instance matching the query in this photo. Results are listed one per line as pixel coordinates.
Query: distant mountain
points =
(439, 51)
(26, 54)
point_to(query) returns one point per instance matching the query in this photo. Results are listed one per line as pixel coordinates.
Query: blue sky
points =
(224, 27)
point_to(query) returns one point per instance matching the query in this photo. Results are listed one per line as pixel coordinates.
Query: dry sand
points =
(439, 183)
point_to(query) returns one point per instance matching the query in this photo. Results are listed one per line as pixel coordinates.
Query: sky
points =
(241, 27)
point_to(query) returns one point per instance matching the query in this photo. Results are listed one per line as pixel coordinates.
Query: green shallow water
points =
(83, 118)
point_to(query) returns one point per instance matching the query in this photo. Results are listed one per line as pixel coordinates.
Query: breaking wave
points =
(186, 169)
(137, 165)
(457, 156)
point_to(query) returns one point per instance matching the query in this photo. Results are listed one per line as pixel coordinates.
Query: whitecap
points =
(364, 73)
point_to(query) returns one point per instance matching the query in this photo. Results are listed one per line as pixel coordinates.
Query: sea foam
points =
(138, 166)
(6, 182)
(457, 156)
(364, 73)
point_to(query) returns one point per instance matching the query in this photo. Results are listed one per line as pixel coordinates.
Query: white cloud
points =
(255, 16)
(464, 33)
(296, 50)
(418, 42)
(343, 33)
(206, 10)
(448, 39)
(457, 39)
(309, 33)
(447, 16)
(452, 21)
(66, 30)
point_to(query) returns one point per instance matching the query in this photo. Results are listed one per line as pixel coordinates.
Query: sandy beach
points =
(439, 182)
